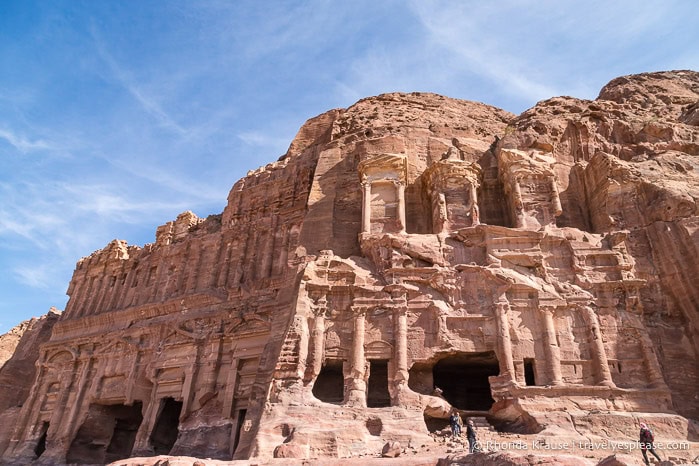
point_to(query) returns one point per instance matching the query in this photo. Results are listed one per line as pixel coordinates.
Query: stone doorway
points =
(107, 434)
(377, 393)
(329, 386)
(165, 431)
(41, 444)
(463, 379)
(240, 420)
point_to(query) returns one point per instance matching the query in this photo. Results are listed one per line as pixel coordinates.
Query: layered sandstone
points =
(407, 256)
(19, 350)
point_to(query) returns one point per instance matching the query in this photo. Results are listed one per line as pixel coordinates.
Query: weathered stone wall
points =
(408, 255)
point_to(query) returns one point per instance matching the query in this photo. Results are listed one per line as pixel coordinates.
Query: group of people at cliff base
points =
(456, 423)
(646, 437)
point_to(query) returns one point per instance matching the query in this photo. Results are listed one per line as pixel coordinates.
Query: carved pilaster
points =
(86, 362)
(317, 342)
(400, 187)
(507, 366)
(356, 393)
(190, 375)
(603, 376)
(551, 349)
(366, 206)
(517, 204)
(555, 198)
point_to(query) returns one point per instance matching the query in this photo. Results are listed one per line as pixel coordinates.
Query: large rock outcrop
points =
(19, 351)
(408, 256)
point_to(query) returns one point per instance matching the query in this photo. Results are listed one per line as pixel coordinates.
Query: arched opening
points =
(463, 379)
(329, 386)
(164, 434)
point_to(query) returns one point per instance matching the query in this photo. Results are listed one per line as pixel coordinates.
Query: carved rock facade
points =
(408, 255)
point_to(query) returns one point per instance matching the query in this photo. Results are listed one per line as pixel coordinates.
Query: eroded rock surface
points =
(408, 256)
(19, 350)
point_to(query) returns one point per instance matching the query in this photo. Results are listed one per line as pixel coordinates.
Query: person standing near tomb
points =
(455, 423)
(471, 436)
(646, 439)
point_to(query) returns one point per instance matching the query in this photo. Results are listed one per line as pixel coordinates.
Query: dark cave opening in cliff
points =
(463, 379)
(41, 444)
(107, 434)
(166, 428)
(330, 383)
(240, 419)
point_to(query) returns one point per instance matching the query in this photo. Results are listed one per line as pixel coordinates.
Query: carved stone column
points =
(475, 212)
(190, 376)
(356, 393)
(517, 204)
(655, 374)
(401, 348)
(316, 352)
(555, 198)
(634, 312)
(507, 366)
(366, 206)
(603, 376)
(401, 205)
(142, 445)
(551, 349)
(231, 382)
(86, 362)
(302, 331)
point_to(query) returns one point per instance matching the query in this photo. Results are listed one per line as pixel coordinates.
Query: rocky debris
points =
(391, 450)
(408, 256)
(291, 451)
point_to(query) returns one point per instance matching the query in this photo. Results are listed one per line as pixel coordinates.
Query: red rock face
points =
(410, 255)
(19, 350)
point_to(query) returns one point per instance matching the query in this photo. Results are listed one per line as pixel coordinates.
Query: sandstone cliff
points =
(408, 256)
(19, 350)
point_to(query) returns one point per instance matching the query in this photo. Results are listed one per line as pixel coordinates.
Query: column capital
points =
(361, 309)
(547, 309)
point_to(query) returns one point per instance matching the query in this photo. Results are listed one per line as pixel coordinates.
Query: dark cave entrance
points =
(377, 393)
(41, 444)
(330, 384)
(107, 434)
(529, 373)
(240, 420)
(165, 431)
(463, 379)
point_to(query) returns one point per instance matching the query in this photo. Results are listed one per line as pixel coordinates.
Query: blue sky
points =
(115, 116)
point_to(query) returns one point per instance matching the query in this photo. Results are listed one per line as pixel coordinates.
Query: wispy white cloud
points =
(35, 276)
(101, 202)
(263, 139)
(24, 144)
(477, 41)
(148, 102)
